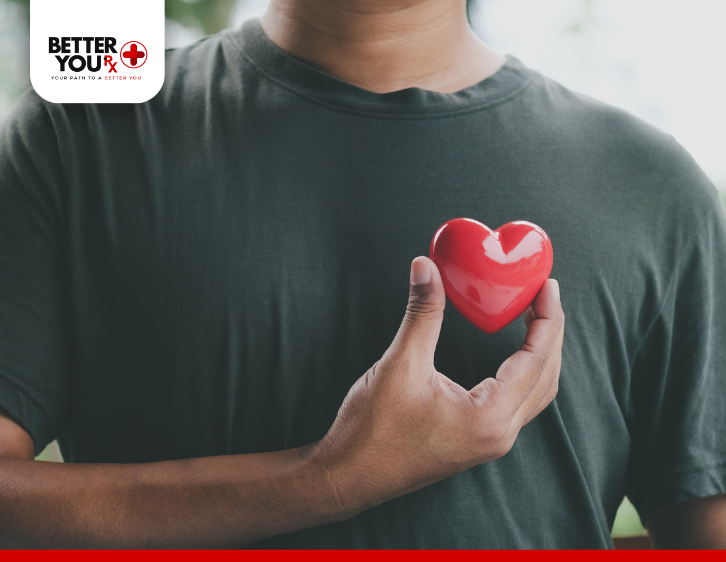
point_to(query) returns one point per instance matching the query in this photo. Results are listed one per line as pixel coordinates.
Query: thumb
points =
(419, 331)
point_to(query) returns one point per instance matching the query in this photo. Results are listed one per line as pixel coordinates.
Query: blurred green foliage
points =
(25, 5)
(627, 522)
(210, 16)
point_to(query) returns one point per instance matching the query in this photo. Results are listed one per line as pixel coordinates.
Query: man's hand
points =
(404, 425)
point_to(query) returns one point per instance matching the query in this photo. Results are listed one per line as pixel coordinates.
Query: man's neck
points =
(384, 45)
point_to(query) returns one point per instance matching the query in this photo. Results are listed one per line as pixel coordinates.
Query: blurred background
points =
(662, 60)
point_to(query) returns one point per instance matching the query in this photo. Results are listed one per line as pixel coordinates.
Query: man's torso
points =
(238, 252)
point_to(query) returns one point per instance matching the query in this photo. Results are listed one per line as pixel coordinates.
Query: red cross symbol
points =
(131, 57)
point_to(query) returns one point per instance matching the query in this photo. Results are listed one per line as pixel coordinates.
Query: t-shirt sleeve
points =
(34, 316)
(678, 387)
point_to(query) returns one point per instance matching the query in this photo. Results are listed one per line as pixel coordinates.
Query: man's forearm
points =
(227, 501)
(403, 425)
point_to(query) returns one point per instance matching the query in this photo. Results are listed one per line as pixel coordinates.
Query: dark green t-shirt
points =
(209, 272)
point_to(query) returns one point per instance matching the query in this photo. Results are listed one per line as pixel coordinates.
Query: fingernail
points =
(556, 289)
(420, 272)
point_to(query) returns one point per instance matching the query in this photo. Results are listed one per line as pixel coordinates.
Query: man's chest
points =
(254, 290)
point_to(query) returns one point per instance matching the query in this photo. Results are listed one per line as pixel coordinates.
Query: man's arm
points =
(694, 524)
(15, 443)
(402, 426)
(207, 502)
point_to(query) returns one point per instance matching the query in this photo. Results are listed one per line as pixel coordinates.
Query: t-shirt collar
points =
(308, 82)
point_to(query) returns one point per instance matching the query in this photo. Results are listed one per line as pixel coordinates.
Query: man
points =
(190, 288)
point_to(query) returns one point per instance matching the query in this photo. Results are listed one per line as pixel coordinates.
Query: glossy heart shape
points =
(491, 277)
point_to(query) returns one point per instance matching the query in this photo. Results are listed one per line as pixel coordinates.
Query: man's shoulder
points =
(592, 122)
(621, 147)
(209, 59)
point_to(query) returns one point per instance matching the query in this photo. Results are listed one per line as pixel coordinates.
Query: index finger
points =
(518, 375)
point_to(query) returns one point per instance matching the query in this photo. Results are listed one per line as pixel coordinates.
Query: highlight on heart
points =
(491, 276)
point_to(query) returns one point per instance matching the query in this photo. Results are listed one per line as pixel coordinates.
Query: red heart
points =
(491, 277)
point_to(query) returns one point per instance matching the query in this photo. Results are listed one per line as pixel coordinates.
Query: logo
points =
(82, 50)
(135, 57)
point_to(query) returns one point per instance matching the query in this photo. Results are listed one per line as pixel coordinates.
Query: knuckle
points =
(560, 319)
(560, 316)
(503, 448)
(422, 310)
(496, 436)
(552, 394)
(540, 362)
(495, 432)
(555, 378)
(422, 293)
(539, 359)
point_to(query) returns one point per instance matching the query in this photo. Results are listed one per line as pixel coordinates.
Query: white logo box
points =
(86, 32)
